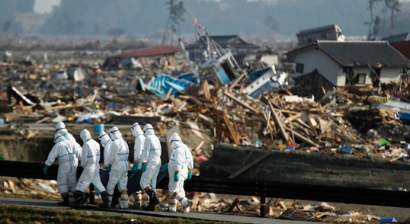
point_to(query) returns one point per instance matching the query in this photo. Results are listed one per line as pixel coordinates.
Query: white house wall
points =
(361, 70)
(270, 59)
(388, 75)
(316, 59)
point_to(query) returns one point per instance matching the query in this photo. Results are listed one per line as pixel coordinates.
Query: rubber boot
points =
(80, 199)
(115, 201)
(186, 204)
(153, 200)
(145, 200)
(124, 199)
(64, 201)
(138, 200)
(105, 203)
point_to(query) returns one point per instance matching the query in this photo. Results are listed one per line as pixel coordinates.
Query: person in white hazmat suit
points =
(62, 130)
(190, 161)
(138, 147)
(66, 154)
(178, 173)
(106, 142)
(90, 160)
(118, 167)
(151, 163)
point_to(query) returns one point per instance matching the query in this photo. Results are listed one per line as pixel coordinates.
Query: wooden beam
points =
(234, 204)
(291, 118)
(243, 169)
(231, 130)
(279, 122)
(169, 93)
(241, 102)
(303, 138)
(243, 75)
(68, 106)
(205, 88)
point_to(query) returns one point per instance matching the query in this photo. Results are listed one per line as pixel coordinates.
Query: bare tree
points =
(115, 33)
(376, 26)
(394, 6)
(6, 26)
(372, 4)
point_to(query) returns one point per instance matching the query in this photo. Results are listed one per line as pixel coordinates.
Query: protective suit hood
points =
(148, 130)
(58, 138)
(104, 138)
(60, 125)
(115, 133)
(136, 130)
(85, 135)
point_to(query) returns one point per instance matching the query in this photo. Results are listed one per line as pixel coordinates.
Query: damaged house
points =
(331, 64)
(329, 32)
(234, 43)
(162, 56)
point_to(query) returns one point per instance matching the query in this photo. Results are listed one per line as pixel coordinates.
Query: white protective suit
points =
(151, 156)
(62, 130)
(139, 143)
(138, 148)
(118, 160)
(67, 166)
(178, 163)
(106, 142)
(90, 160)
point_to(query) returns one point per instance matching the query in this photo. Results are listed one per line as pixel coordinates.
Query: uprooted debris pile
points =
(342, 120)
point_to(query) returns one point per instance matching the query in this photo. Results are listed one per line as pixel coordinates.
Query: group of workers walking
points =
(147, 160)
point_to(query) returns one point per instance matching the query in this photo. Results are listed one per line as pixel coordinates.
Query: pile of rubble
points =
(275, 119)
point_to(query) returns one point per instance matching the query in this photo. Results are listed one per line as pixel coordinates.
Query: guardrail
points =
(262, 189)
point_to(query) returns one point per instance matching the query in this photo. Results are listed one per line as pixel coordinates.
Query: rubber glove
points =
(45, 169)
(144, 167)
(189, 175)
(176, 176)
(134, 168)
(164, 167)
(109, 168)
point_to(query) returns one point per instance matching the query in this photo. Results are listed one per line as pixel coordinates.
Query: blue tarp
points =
(162, 83)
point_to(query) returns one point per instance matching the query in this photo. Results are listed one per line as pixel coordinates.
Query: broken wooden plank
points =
(292, 118)
(279, 122)
(257, 160)
(205, 88)
(303, 138)
(243, 75)
(235, 205)
(231, 130)
(241, 102)
(169, 93)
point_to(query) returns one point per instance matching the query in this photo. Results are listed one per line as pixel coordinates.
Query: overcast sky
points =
(45, 6)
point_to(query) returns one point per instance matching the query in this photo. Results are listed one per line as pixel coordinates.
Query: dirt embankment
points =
(299, 167)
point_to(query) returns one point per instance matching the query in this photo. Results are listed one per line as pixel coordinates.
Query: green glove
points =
(45, 169)
(109, 168)
(164, 167)
(134, 168)
(144, 167)
(176, 177)
(189, 175)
